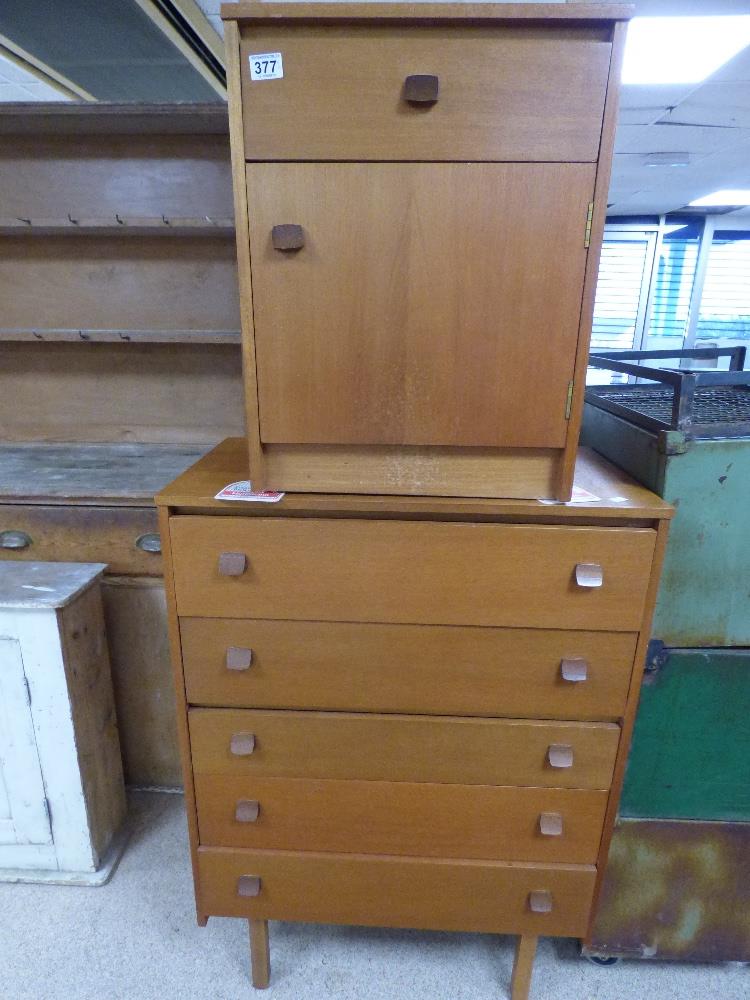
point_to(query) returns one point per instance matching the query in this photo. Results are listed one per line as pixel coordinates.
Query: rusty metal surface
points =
(676, 890)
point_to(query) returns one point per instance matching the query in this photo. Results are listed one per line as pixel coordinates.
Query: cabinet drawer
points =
(410, 572)
(122, 537)
(401, 748)
(505, 93)
(426, 669)
(399, 817)
(396, 892)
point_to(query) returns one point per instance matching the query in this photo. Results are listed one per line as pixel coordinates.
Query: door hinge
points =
(569, 400)
(48, 810)
(589, 218)
(27, 689)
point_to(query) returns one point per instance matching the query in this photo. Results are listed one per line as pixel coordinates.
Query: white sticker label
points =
(266, 66)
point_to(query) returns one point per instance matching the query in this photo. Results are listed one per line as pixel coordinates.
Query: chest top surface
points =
(427, 11)
(603, 492)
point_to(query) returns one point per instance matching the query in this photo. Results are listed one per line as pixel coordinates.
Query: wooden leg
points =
(523, 965)
(260, 957)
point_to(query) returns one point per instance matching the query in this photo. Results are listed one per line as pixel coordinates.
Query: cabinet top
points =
(36, 585)
(606, 494)
(386, 11)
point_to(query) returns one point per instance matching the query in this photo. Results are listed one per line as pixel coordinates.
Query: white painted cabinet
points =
(61, 788)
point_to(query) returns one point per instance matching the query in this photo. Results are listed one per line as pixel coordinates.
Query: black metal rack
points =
(700, 404)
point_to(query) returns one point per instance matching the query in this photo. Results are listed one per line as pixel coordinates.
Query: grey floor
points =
(136, 939)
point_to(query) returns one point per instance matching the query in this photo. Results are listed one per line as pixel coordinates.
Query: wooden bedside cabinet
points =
(420, 194)
(403, 711)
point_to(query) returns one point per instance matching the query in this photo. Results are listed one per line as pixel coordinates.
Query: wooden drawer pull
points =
(246, 810)
(15, 540)
(239, 658)
(560, 755)
(248, 885)
(288, 236)
(421, 88)
(232, 563)
(551, 824)
(574, 669)
(242, 744)
(540, 901)
(150, 542)
(589, 575)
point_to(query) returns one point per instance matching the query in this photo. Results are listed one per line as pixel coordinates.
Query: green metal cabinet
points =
(677, 883)
(704, 598)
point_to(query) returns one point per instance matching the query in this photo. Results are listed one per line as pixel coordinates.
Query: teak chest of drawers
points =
(420, 192)
(406, 711)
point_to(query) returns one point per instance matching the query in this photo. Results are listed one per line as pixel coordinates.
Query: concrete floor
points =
(136, 939)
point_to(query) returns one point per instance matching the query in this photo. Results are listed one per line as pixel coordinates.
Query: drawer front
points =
(505, 93)
(401, 818)
(400, 748)
(425, 669)
(410, 572)
(123, 537)
(396, 892)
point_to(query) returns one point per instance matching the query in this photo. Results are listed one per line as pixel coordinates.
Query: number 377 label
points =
(266, 66)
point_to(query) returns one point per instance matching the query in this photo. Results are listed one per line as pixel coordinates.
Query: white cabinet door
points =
(23, 808)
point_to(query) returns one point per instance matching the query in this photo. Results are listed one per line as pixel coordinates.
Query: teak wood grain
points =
(619, 498)
(248, 11)
(402, 748)
(411, 316)
(412, 572)
(396, 470)
(401, 818)
(396, 892)
(430, 669)
(506, 92)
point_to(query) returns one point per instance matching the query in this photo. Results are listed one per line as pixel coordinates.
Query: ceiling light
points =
(722, 199)
(681, 49)
(667, 159)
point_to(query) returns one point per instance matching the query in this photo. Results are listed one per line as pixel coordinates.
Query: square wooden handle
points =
(248, 885)
(288, 236)
(540, 901)
(421, 88)
(589, 575)
(239, 658)
(242, 744)
(246, 810)
(574, 669)
(560, 755)
(551, 824)
(232, 563)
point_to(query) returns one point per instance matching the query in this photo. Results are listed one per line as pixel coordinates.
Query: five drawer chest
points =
(406, 711)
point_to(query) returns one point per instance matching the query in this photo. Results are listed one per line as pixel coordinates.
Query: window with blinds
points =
(620, 295)
(673, 286)
(724, 315)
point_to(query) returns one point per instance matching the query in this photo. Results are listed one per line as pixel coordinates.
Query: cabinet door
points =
(431, 303)
(23, 813)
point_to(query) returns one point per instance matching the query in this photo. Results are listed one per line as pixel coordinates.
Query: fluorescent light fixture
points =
(667, 159)
(722, 199)
(664, 50)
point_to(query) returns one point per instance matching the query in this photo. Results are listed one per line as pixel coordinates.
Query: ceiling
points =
(708, 123)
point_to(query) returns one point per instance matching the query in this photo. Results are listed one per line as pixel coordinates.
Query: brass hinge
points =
(589, 217)
(569, 400)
